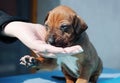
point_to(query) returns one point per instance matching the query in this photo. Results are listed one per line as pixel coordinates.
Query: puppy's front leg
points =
(84, 75)
(28, 61)
(68, 78)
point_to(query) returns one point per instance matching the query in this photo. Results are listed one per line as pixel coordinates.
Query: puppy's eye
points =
(64, 28)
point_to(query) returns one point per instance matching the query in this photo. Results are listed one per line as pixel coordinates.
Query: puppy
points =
(65, 28)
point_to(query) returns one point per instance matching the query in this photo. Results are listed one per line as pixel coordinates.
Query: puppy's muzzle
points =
(51, 40)
(58, 43)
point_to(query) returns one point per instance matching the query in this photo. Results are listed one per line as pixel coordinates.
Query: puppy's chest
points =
(70, 63)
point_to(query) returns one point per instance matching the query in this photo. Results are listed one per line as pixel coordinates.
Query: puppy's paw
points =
(28, 61)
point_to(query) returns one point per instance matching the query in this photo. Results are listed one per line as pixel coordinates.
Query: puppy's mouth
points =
(58, 43)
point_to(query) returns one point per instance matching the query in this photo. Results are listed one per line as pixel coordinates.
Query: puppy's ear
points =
(46, 17)
(79, 25)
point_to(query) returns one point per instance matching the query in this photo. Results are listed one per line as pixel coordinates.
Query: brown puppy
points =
(65, 28)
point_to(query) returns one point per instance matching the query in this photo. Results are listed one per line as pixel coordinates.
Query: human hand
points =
(67, 52)
(33, 36)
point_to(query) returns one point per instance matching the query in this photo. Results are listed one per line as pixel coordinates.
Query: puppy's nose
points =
(51, 41)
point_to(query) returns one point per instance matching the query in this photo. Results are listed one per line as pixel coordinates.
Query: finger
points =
(46, 48)
(52, 49)
(48, 55)
(78, 50)
(73, 49)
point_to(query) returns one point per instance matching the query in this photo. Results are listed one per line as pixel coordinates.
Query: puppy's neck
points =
(80, 39)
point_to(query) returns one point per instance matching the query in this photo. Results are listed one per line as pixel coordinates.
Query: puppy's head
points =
(63, 25)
